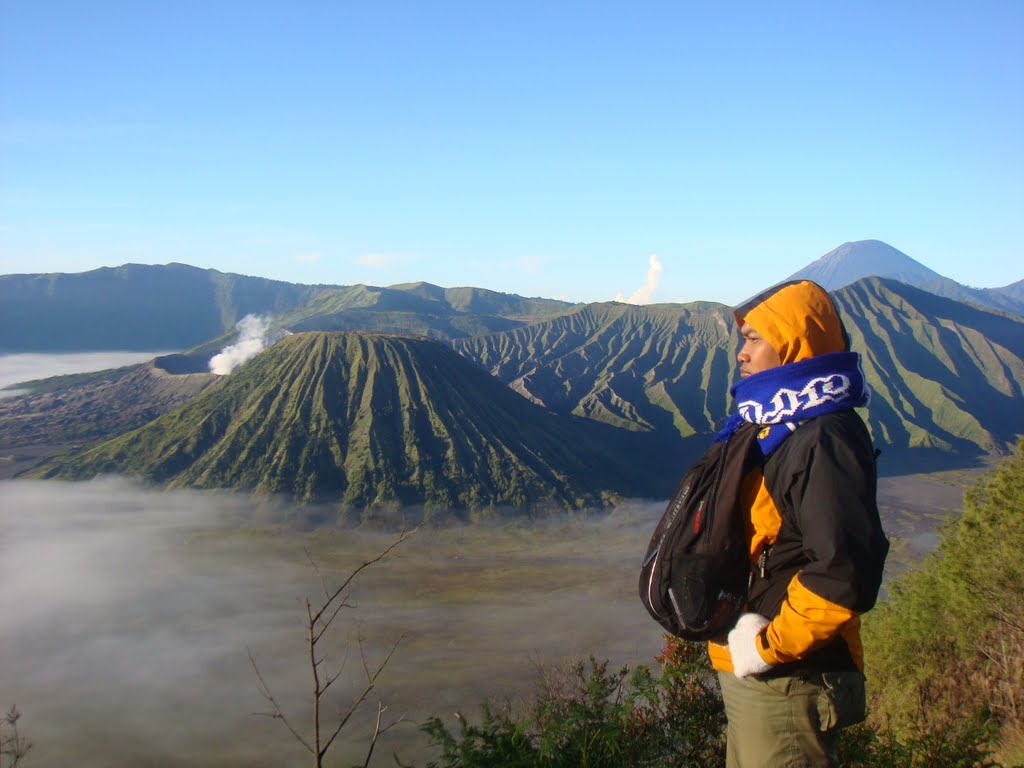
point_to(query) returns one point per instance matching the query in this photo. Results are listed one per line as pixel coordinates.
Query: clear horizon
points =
(662, 153)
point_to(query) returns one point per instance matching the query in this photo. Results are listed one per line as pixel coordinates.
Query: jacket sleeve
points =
(832, 499)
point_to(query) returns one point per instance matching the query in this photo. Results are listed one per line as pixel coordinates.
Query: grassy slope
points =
(376, 420)
(947, 377)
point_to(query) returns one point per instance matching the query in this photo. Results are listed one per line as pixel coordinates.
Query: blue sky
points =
(539, 148)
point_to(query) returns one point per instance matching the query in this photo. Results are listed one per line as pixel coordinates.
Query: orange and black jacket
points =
(816, 542)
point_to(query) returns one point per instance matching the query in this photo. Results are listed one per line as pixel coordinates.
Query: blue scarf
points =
(782, 398)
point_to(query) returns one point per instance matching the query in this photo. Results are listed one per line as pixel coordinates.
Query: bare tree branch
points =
(405, 534)
(316, 569)
(376, 734)
(371, 680)
(276, 713)
(319, 619)
(326, 623)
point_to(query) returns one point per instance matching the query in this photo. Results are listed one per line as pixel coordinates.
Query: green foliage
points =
(587, 716)
(499, 740)
(947, 649)
(964, 744)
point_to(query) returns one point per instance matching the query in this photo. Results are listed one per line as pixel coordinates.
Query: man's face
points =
(756, 354)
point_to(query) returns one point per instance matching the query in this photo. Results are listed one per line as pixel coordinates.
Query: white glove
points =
(743, 642)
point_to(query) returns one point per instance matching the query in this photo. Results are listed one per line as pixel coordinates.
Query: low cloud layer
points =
(645, 293)
(128, 612)
(21, 367)
(253, 335)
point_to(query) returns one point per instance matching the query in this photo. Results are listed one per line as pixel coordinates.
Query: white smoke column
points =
(645, 294)
(252, 339)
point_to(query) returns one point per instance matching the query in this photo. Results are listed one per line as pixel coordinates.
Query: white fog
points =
(127, 614)
(28, 366)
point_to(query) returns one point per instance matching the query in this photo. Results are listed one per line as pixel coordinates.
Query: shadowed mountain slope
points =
(664, 368)
(173, 306)
(375, 420)
(947, 376)
(1005, 299)
(1013, 291)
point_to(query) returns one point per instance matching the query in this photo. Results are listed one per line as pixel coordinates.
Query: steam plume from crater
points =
(252, 339)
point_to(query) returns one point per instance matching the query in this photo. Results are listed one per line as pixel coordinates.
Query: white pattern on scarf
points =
(786, 403)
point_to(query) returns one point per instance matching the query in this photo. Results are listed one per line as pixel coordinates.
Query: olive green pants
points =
(789, 722)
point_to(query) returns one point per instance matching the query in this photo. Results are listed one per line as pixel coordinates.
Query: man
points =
(791, 668)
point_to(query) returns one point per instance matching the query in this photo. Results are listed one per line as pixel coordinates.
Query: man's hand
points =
(743, 642)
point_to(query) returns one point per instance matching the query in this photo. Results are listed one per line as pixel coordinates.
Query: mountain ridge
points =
(177, 306)
(675, 374)
(375, 421)
(948, 377)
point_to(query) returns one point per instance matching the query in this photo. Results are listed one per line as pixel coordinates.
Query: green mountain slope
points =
(373, 420)
(663, 368)
(418, 309)
(947, 376)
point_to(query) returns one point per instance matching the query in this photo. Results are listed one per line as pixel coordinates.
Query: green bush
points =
(586, 716)
(947, 648)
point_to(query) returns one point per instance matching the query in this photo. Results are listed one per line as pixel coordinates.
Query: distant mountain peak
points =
(864, 258)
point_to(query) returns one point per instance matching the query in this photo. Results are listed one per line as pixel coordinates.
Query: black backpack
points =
(694, 578)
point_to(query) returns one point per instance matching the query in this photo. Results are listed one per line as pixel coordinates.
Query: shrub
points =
(587, 716)
(947, 649)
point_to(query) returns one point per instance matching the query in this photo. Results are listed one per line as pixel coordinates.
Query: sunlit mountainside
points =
(947, 377)
(541, 401)
(944, 375)
(375, 421)
(660, 367)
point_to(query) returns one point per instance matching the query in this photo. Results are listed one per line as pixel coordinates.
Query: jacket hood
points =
(798, 319)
